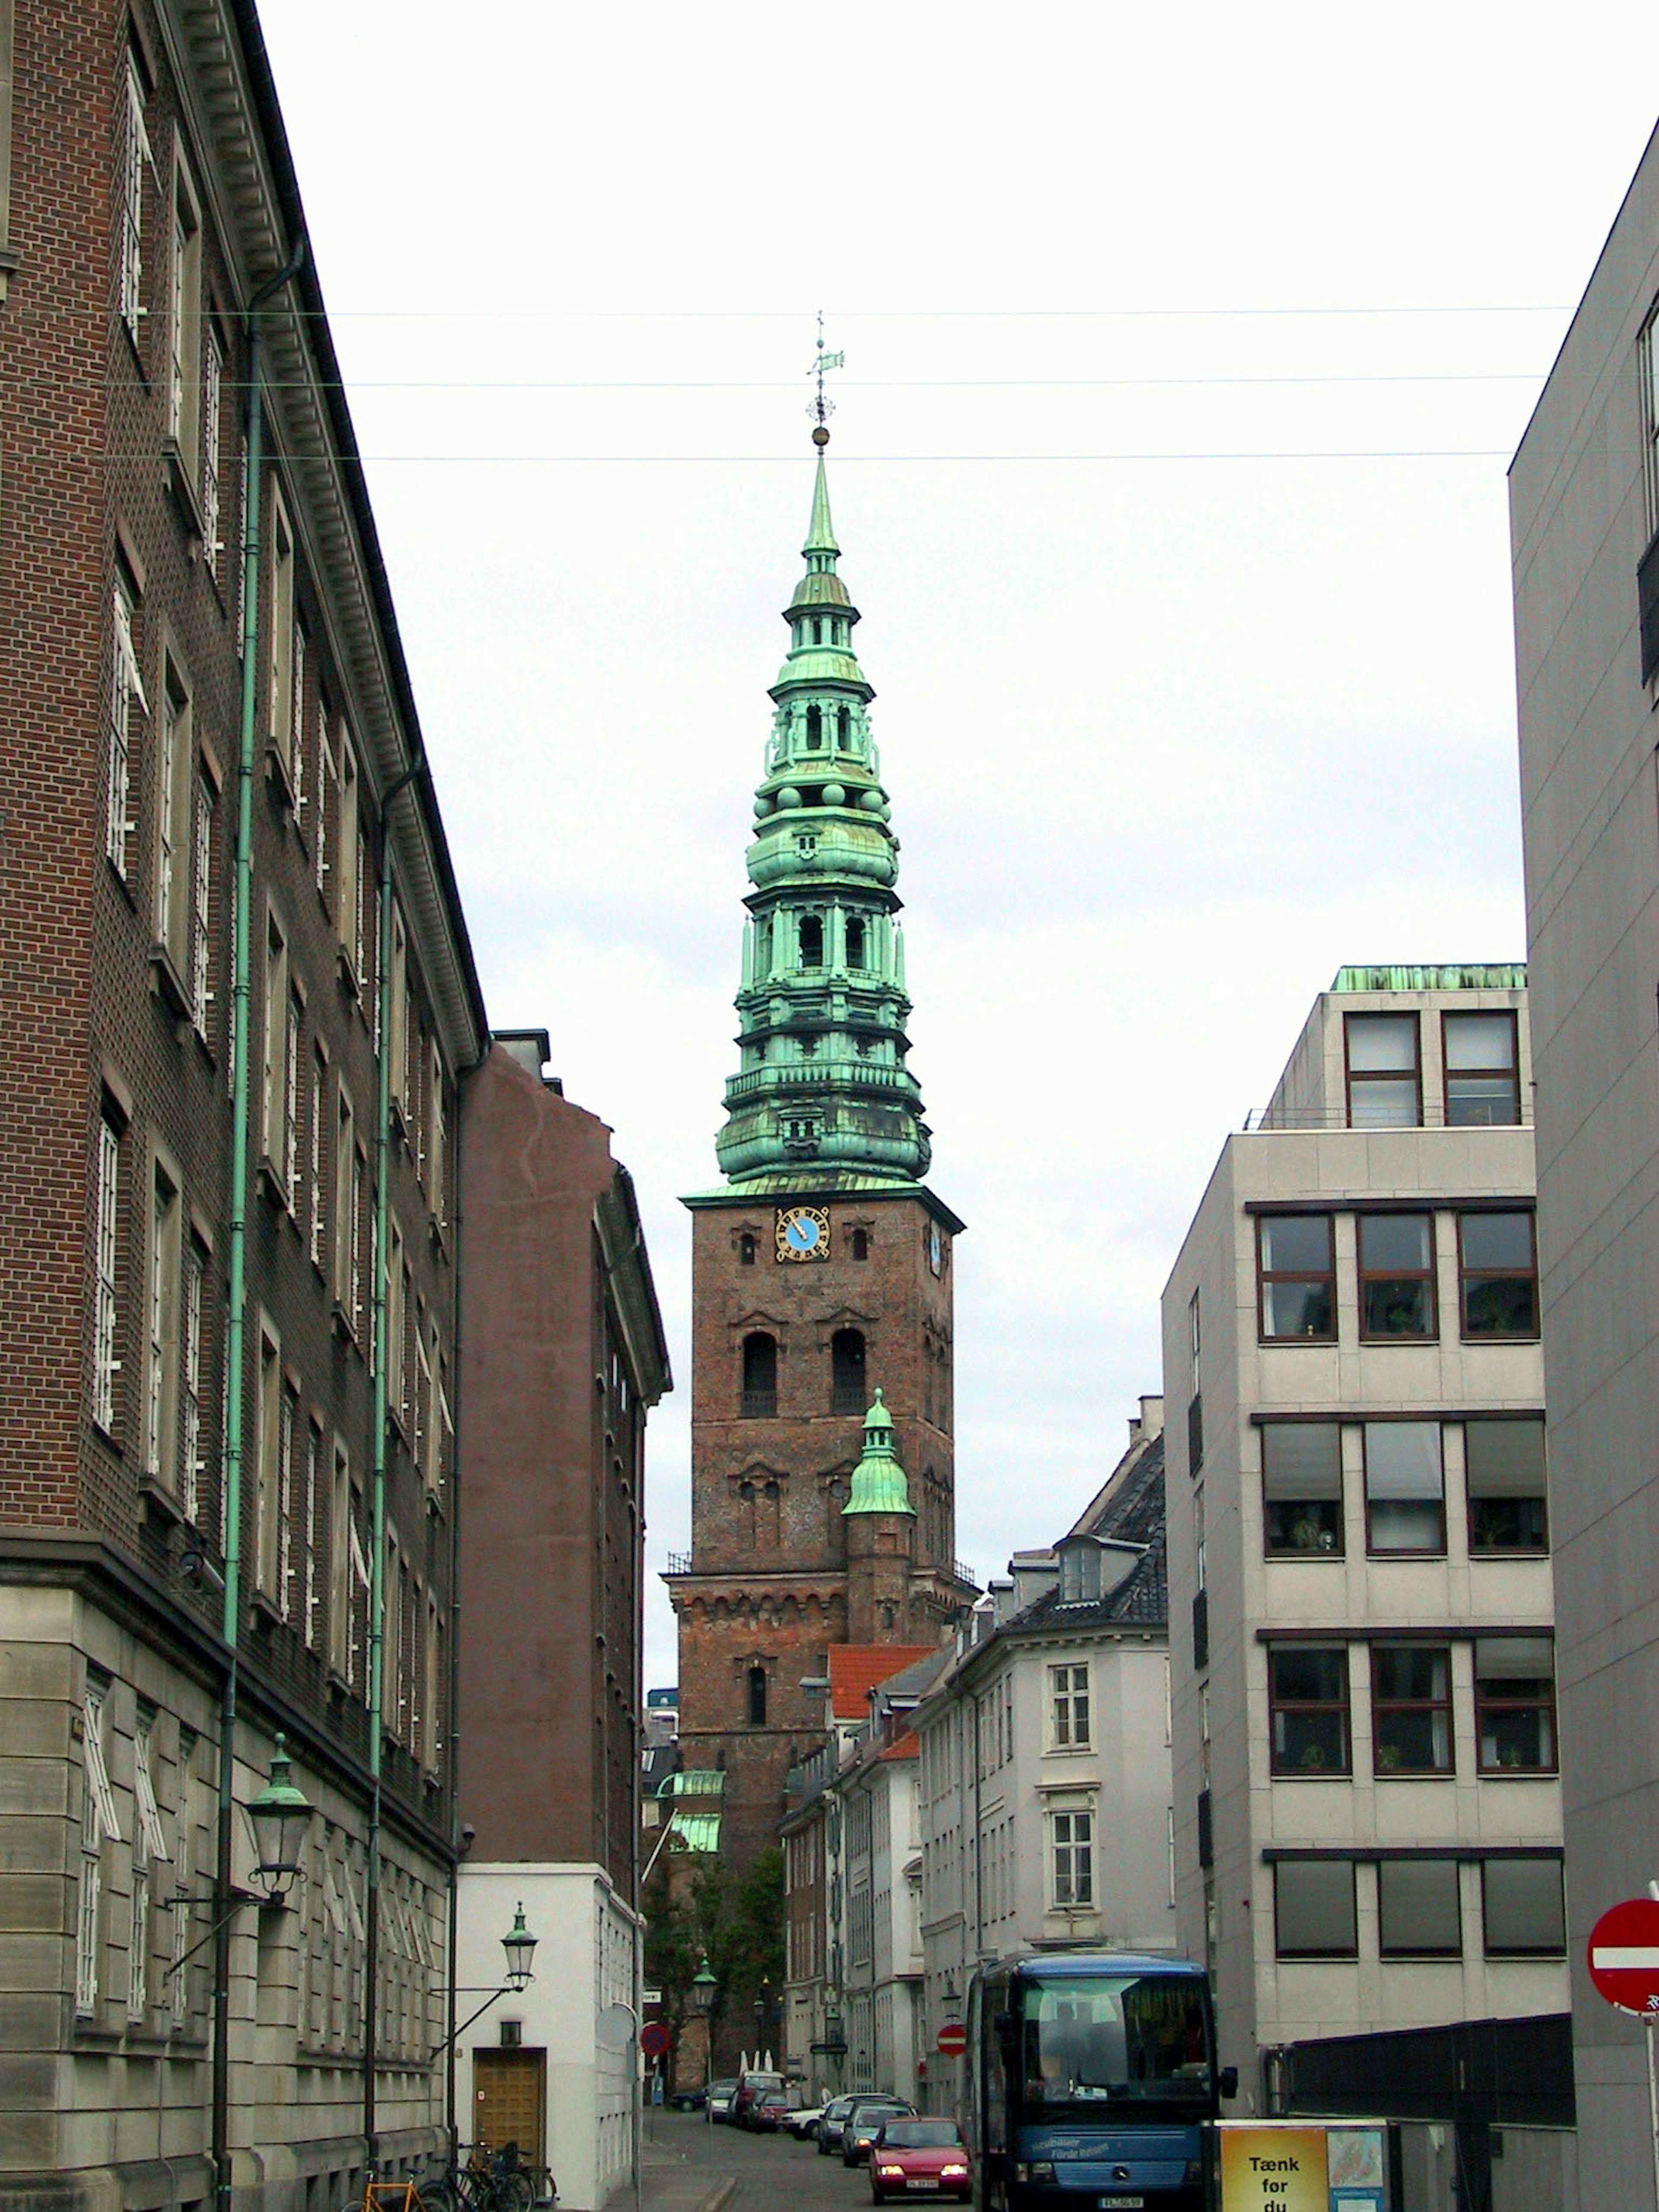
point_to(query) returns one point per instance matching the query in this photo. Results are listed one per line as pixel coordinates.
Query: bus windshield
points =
(1107, 2037)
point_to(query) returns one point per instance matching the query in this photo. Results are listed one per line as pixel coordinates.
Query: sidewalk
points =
(672, 2184)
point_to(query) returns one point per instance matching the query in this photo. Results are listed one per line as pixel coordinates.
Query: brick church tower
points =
(822, 1508)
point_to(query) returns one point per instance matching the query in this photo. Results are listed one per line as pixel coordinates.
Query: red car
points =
(921, 2156)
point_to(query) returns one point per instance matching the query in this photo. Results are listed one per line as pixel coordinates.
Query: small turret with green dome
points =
(822, 1092)
(879, 1483)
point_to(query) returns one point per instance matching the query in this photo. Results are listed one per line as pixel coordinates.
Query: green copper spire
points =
(823, 1098)
(879, 1483)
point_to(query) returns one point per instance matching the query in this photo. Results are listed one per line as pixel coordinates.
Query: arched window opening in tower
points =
(746, 1250)
(817, 633)
(855, 941)
(763, 948)
(760, 1376)
(844, 728)
(814, 729)
(758, 1697)
(812, 941)
(861, 1243)
(846, 1387)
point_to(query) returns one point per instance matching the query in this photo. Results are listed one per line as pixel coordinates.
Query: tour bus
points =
(1091, 2075)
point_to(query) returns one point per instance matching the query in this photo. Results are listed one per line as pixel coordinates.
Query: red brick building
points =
(199, 1549)
(822, 1268)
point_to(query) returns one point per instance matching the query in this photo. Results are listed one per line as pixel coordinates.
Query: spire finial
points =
(822, 408)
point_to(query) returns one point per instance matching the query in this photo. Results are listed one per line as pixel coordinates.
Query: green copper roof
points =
(697, 1832)
(879, 1483)
(823, 1089)
(1476, 975)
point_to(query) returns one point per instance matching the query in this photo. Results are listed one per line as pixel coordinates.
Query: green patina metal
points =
(879, 1483)
(1477, 976)
(696, 1831)
(823, 1098)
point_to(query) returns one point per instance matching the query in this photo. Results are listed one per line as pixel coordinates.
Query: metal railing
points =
(1274, 1118)
(679, 1562)
(964, 1573)
(759, 1405)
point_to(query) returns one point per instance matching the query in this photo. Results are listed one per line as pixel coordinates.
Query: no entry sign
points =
(953, 2038)
(654, 2039)
(1623, 1956)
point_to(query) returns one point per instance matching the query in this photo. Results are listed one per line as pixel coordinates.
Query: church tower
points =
(822, 1498)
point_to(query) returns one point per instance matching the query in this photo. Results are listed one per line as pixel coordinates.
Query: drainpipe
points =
(377, 1535)
(237, 1288)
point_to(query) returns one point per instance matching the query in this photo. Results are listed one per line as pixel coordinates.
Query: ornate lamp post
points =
(280, 1819)
(705, 1986)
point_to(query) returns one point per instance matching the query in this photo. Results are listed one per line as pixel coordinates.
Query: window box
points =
(1503, 1466)
(1410, 1709)
(1482, 1071)
(1515, 1704)
(1384, 1071)
(1308, 1710)
(1498, 1273)
(1405, 1490)
(1297, 1279)
(1314, 1915)
(1396, 1277)
(1302, 1489)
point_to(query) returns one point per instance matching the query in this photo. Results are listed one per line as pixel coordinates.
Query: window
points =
(213, 384)
(190, 1466)
(201, 907)
(345, 1204)
(1405, 1491)
(1523, 1909)
(437, 1144)
(1307, 1708)
(106, 1363)
(1195, 1330)
(391, 1653)
(855, 942)
(1420, 1913)
(185, 384)
(99, 1824)
(124, 686)
(275, 1089)
(311, 1508)
(1647, 572)
(1384, 1074)
(175, 781)
(760, 1376)
(1483, 1074)
(861, 1243)
(758, 1697)
(746, 1250)
(1504, 1466)
(279, 729)
(812, 941)
(1068, 1708)
(346, 837)
(397, 1014)
(1515, 1704)
(1497, 1274)
(1298, 1276)
(342, 1539)
(135, 153)
(1072, 1857)
(162, 1346)
(1411, 1709)
(1314, 1912)
(178, 1973)
(1396, 1275)
(1195, 1432)
(268, 1473)
(1302, 1488)
(847, 1388)
(397, 1384)
(149, 1846)
(316, 1115)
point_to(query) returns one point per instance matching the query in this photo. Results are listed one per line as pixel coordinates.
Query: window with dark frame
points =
(1515, 1704)
(1647, 569)
(1482, 1059)
(811, 940)
(1419, 1909)
(760, 1376)
(1302, 1489)
(1498, 1273)
(861, 1243)
(1405, 1488)
(1308, 1708)
(1396, 1276)
(758, 1697)
(1411, 1709)
(1504, 1470)
(1314, 1915)
(746, 1250)
(847, 1389)
(1522, 1908)
(1384, 1071)
(1296, 1275)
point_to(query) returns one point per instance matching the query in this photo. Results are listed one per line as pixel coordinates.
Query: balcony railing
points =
(1434, 1116)
(760, 1404)
(849, 1398)
(679, 1562)
(964, 1573)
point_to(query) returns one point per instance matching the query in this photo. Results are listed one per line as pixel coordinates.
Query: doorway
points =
(509, 2102)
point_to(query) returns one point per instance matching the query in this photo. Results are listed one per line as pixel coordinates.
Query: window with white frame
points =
(184, 386)
(436, 1680)
(291, 1059)
(267, 1488)
(398, 1031)
(274, 1090)
(1648, 359)
(310, 1510)
(135, 158)
(317, 1117)
(1068, 1708)
(125, 686)
(396, 1291)
(1071, 1857)
(345, 1225)
(190, 1379)
(391, 1642)
(100, 1824)
(347, 833)
(296, 721)
(328, 799)
(149, 1850)
(178, 1973)
(279, 705)
(174, 824)
(162, 1334)
(199, 980)
(437, 1152)
(106, 1361)
(288, 1421)
(340, 1537)
(213, 385)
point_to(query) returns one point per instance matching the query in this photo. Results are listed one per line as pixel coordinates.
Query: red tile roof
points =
(856, 1669)
(909, 1745)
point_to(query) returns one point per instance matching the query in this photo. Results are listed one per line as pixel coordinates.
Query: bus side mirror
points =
(1227, 2081)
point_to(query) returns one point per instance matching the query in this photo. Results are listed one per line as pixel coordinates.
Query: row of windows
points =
(1396, 1297)
(1413, 1707)
(1480, 1070)
(849, 1384)
(1419, 1907)
(832, 939)
(1403, 1484)
(858, 1246)
(128, 1964)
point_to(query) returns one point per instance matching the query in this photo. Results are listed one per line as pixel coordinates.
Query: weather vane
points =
(822, 409)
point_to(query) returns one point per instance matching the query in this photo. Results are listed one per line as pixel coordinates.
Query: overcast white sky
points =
(1186, 350)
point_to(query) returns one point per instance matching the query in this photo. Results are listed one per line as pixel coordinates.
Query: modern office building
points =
(1368, 1811)
(1584, 522)
(562, 1358)
(240, 997)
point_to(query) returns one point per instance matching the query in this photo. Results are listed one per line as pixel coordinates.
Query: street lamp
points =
(519, 1946)
(280, 1819)
(705, 1983)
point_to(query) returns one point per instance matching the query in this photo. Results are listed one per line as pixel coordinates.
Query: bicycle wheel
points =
(517, 2191)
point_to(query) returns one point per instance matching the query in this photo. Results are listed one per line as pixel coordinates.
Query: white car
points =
(719, 2104)
(805, 2122)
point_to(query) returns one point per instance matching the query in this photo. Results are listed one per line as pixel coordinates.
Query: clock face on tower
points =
(803, 1233)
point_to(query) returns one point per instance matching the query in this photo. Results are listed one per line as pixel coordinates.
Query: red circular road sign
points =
(953, 2038)
(1623, 1956)
(654, 2039)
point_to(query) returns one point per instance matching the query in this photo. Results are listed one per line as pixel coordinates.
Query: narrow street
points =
(686, 2160)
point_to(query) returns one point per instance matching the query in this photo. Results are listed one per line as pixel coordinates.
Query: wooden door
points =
(509, 2102)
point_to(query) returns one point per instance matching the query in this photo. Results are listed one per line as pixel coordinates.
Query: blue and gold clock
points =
(803, 1233)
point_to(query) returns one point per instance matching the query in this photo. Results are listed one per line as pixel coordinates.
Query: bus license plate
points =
(1122, 2204)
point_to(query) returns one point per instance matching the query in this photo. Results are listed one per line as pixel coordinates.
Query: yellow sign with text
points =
(1274, 2170)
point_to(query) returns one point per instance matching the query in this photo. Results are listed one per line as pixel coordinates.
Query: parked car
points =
(688, 2101)
(924, 2154)
(830, 2122)
(803, 2124)
(865, 2122)
(751, 2086)
(772, 2107)
(718, 2106)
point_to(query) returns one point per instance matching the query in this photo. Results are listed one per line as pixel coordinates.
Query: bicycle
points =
(487, 2183)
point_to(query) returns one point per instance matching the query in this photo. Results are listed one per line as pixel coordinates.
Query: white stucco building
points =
(1368, 1816)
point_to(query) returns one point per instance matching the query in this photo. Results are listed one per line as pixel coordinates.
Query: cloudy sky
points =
(1186, 350)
